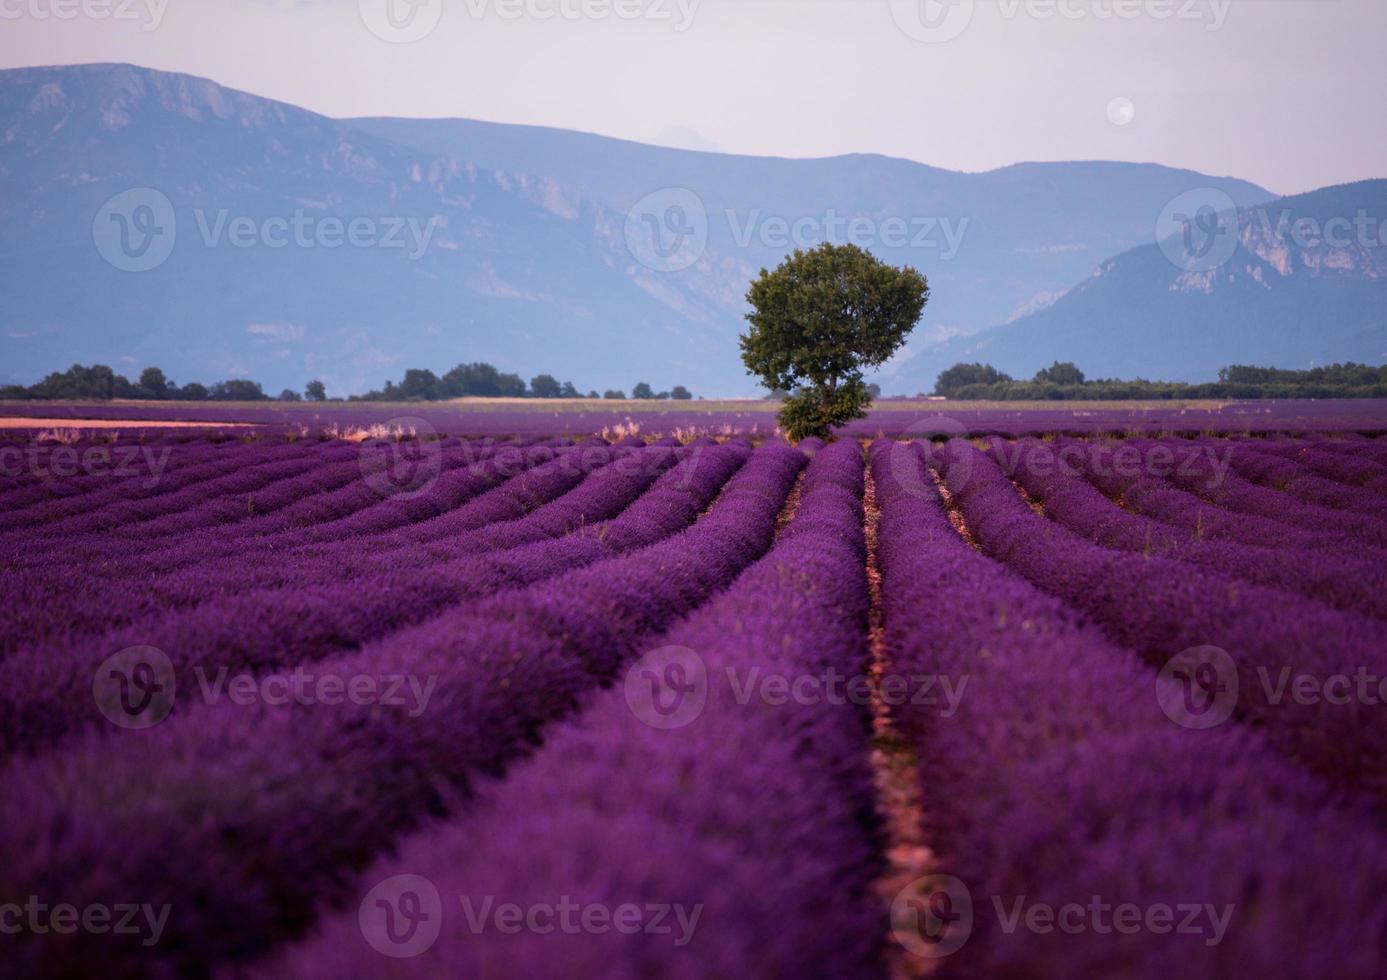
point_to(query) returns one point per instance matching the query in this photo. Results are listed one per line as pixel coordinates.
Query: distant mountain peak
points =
(536, 257)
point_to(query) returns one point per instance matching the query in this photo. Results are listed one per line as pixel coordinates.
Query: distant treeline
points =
(481, 380)
(1065, 382)
(100, 383)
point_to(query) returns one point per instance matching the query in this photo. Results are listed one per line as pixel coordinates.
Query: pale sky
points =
(1287, 93)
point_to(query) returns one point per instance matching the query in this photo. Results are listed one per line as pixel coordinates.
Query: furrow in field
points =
(1162, 609)
(1194, 471)
(301, 795)
(1355, 584)
(1123, 475)
(1258, 464)
(1054, 779)
(754, 816)
(45, 693)
(210, 567)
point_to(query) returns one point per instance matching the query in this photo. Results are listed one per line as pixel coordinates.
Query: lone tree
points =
(821, 318)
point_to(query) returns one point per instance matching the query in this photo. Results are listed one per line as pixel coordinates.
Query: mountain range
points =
(157, 218)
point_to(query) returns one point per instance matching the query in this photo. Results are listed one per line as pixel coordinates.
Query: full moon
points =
(1121, 111)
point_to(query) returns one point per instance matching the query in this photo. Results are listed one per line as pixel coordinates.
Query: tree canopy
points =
(818, 321)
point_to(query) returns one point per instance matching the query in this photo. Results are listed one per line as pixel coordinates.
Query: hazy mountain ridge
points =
(1304, 284)
(527, 262)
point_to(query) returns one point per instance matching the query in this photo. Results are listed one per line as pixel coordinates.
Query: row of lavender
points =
(1022, 806)
(237, 848)
(1080, 830)
(516, 594)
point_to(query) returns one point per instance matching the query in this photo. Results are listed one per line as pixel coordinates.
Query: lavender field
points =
(996, 693)
(897, 418)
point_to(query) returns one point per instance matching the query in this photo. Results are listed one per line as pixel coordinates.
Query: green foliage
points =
(956, 377)
(545, 386)
(821, 318)
(1060, 374)
(420, 385)
(479, 380)
(812, 412)
(680, 394)
(1235, 382)
(157, 386)
(238, 390)
(100, 383)
(642, 390)
(611, 394)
